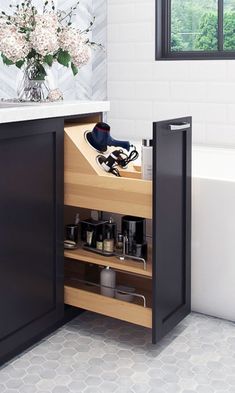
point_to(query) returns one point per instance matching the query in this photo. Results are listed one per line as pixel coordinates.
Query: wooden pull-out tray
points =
(88, 186)
(77, 296)
(128, 265)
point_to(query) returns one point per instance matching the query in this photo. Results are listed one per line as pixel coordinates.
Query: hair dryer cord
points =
(124, 159)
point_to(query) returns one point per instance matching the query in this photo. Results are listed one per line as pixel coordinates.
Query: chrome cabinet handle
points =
(179, 126)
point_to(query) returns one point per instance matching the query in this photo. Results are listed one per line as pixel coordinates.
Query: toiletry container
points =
(99, 242)
(147, 159)
(91, 230)
(109, 243)
(72, 233)
(134, 229)
(111, 227)
(119, 244)
(124, 293)
(108, 282)
(89, 236)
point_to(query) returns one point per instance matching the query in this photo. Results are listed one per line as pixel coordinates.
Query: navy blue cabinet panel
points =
(171, 224)
(31, 231)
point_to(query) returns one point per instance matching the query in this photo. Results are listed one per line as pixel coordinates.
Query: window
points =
(195, 29)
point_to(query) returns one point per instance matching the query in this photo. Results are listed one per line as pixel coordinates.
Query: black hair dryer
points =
(99, 138)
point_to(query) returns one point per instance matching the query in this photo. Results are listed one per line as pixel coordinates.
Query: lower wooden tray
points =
(77, 295)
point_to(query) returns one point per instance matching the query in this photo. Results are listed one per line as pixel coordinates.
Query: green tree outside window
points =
(194, 25)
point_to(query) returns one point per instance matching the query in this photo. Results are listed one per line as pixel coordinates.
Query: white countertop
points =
(13, 112)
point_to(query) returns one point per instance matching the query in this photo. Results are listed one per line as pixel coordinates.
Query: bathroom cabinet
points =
(165, 284)
(46, 169)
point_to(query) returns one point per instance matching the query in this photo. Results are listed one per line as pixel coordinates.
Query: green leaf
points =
(19, 63)
(74, 69)
(41, 73)
(64, 58)
(32, 54)
(48, 59)
(6, 61)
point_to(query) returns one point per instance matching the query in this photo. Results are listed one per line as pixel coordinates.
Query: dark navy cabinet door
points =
(171, 224)
(31, 231)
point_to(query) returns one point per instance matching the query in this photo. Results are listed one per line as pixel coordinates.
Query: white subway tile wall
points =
(142, 90)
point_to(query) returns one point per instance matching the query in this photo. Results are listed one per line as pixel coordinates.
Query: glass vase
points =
(32, 87)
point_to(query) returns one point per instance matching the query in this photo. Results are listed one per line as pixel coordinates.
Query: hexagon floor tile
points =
(95, 354)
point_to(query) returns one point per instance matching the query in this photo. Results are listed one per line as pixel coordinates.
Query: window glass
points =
(229, 25)
(194, 25)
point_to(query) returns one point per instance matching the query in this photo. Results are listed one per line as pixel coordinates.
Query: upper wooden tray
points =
(128, 265)
(88, 186)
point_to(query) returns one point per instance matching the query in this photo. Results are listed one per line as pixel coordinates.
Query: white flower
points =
(22, 19)
(74, 42)
(55, 95)
(3, 23)
(82, 56)
(44, 41)
(6, 29)
(13, 44)
(47, 20)
(2, 33)
(70, 40)
(44, 38)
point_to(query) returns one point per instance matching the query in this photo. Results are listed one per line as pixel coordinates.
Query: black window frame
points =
(162, 37)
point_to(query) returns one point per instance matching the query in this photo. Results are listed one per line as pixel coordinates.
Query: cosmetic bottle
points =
(125, 245)
(89, 236)
(119, 245)
(108, 282)
(99, 243)
(111, 227)
(72, 231)
(109, 243)
(147, 159)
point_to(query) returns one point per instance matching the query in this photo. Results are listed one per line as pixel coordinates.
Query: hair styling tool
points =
(124, 159)
(99, 138)
(116, 158)
(109, 163)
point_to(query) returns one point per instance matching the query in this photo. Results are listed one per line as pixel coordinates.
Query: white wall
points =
(142, 89)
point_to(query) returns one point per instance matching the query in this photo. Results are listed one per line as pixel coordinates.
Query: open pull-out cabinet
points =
(164, 286)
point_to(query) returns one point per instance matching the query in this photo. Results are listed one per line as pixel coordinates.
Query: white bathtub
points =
(213, 232)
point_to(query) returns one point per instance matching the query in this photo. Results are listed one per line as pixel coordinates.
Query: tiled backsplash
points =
(142, 90)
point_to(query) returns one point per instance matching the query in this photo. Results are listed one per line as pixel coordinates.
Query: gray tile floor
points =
(96, 354)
